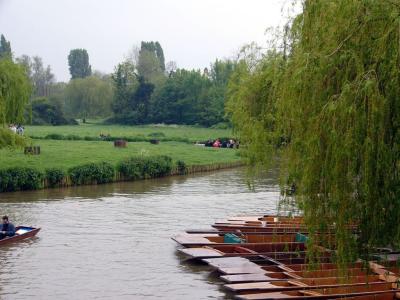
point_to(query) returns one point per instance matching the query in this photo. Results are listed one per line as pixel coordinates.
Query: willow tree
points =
(338, 105)
(15, 90)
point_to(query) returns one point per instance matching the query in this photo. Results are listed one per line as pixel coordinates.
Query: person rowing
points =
(7, 229)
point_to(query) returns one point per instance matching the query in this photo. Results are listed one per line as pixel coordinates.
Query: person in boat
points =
(7, 229)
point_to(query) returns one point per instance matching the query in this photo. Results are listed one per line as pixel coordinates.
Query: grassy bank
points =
(81, 160)
(66, 154)
(162, 132)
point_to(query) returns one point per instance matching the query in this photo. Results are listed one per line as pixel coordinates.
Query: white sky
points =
(192, 32)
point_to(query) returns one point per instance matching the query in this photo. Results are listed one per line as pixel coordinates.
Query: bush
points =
(54, 136)
(72, 137)
(145, 167)
(55, 177)
(10, 139)
(181, 166)
(92, 173)
(156, 134)
(20, 178)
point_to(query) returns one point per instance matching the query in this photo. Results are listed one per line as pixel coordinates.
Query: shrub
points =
(72, 137)
(156, 134)
(10, 139)
(54, 136)
(145, 167)
(132, 168)
(181, 166)
(157, 166)
(20, 178)
(92, 173)
(55, 177)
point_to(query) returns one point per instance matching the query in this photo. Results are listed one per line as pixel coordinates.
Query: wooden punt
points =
(244, 230)
(22, 232)
(268, 218)
(259, 228)
(199, 240)
(305, 283)
(229, 262)
(372, 291)
(255, 268)
(240, 250)
(257, 277)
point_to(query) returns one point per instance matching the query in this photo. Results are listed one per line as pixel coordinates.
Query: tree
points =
(42, 78)
(15, 91)
(124, 82)
(220, 74)
(5, 48)
(181, 99)
(88, 97)
(331, 103)
(150, 62)
(44, 112)
(78, 61)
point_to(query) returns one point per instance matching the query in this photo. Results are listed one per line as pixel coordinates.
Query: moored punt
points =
(243, 262)
(255, 268)
(269, 220)
(198, 240)
(257, 277)
(260, 228)
(372, 291)
(21, 233)
(305, 283)
(241, 250)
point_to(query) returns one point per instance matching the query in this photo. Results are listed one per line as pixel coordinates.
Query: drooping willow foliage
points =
(336, 101)
(15, 90)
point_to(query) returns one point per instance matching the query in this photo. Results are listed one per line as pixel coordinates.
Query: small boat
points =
(21, 233)
(244, 250)
(261, 227)
(279, 276)
(298, 284)
(222, 263)
(199, 240)
(378, 291)
(252, 268)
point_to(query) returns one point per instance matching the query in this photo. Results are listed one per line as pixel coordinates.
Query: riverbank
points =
(79, 156)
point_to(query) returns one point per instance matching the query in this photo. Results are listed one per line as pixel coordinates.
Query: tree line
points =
(142, 89)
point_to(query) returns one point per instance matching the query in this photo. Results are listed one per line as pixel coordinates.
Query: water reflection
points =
(113, 241)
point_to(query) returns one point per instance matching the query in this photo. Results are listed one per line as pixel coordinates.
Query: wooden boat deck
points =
(257, 277)
(306, 283)
(198, 240)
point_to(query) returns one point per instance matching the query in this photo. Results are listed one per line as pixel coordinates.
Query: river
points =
(113, 241)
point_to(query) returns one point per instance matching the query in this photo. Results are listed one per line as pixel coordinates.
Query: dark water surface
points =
(113, 241)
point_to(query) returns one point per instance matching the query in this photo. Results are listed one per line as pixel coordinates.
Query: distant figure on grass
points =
(7, 229)
(217, 144)
(20, 129)
(13, 128)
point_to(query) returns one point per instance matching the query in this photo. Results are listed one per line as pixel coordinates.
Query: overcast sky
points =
(193, 33)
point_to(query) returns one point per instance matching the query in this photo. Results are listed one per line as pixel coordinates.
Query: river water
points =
(113, 241)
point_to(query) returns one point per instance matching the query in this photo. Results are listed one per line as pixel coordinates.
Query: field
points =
(170, 132)
(68, 153)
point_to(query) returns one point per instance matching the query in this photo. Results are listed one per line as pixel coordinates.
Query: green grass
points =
(66, 154)
(172, 132)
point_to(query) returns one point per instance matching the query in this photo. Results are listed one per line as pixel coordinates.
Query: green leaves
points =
(336, 101)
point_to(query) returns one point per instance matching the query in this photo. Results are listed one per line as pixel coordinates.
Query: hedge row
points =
(138, 138)
(19, 178)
